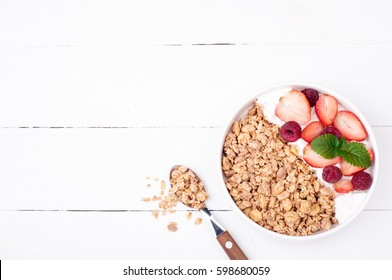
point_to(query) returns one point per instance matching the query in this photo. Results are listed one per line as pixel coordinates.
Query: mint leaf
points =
(356, 154)
(342, 147)
(343, 144)
(326, 145)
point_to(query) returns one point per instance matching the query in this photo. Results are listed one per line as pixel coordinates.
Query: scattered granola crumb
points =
(166, 202)
(163, 185)
(148, 177)
(198, 221)
(188, 187)
(155, 213)
(172, 226)
(186, 184)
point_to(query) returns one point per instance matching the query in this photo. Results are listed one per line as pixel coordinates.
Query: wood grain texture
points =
(177, 86)
(138, 236)
(230, 246)
(122, 22)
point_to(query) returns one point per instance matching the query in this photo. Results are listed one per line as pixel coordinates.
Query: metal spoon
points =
(224, 238)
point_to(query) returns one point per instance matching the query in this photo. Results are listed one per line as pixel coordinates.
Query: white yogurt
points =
(345, 204)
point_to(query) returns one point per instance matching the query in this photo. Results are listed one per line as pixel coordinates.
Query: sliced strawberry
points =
(315, 160)
(343, 186)
(293, 107)
(326, 109)
(311, 131)
(371, 153)
(349, 169)
(350, 126)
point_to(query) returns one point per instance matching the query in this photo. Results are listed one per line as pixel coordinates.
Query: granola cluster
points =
(188, 187)
(270, 182)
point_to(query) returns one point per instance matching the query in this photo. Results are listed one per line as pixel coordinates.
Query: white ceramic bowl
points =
(347, 105)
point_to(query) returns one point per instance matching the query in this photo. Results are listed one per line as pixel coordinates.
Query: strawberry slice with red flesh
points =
(314, 159)
(326, 109)
(343, 186)
(293, 107)
(311, 131)
(350, 126)
(349, 169)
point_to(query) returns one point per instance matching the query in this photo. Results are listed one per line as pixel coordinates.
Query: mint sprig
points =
(329, 146)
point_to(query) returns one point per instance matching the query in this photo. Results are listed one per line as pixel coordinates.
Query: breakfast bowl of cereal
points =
(298, 161)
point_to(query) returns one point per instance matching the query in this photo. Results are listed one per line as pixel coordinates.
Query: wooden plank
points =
(136, 235)
(106, 168)
(177, 86)
(122, 22)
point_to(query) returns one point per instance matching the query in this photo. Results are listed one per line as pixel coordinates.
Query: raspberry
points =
(331, 130)
(290, 131)
(362, 181)
(312, 95)
(332, 174)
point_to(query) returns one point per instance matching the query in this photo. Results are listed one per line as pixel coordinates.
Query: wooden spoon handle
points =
(231, 247)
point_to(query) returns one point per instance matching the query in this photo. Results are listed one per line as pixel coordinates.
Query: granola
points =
(172, 226)
(188, 187)
(271, 183)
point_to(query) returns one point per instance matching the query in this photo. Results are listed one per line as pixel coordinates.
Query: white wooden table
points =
(97, 95)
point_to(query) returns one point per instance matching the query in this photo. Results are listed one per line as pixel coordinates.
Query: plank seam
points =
(140, 210)
(105, 211)
(133, 127)
(205, 44)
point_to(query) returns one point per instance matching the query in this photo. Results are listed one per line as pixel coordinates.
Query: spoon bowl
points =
(227, 242)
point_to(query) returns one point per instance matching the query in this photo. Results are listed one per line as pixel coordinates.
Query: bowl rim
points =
(347, 104)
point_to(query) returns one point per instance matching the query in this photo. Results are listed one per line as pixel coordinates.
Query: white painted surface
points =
(134, 235)
(133, 91)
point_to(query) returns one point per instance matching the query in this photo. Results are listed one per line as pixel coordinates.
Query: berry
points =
(331, 130)
(290, 131)
(349, 169)
(350, 126)
(311, 131)
(293, 107)
(362, 181)
(343, 186)
(314, 159)
(312, 95)
(332, 174)
(326, 109)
